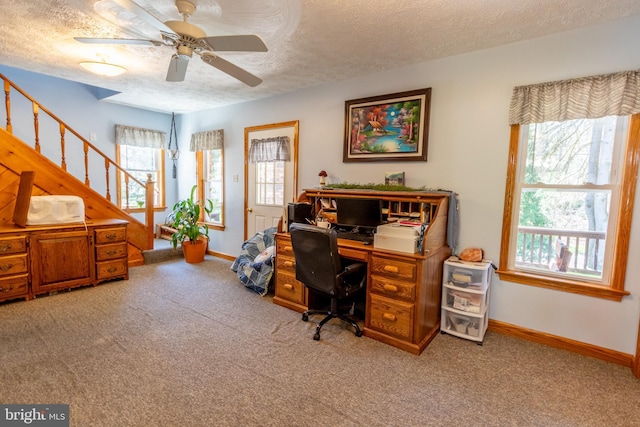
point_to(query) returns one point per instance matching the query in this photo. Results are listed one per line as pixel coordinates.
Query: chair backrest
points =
(317, 260)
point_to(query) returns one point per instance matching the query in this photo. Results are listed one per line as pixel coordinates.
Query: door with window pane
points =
(269, 185)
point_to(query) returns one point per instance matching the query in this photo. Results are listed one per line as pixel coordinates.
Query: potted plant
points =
(192, 235)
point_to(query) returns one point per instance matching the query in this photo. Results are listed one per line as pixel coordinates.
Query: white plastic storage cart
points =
(465, 298)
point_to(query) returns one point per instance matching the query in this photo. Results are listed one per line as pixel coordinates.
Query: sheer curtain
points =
(269, 149)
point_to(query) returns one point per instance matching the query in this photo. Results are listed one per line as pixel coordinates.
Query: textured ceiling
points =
(310, 42)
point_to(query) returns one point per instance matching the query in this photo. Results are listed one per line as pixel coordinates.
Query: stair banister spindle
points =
(36, 125)
(86, 164)
(63, 163)
(7, 105)
(106, 168)
(126, 192)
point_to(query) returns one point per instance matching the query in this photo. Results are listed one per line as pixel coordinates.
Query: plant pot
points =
(194, 252)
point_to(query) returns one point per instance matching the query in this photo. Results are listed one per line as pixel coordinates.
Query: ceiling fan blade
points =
(144, 15)
(231, 69)
(117, 41)
(241, 43)
(177, 69)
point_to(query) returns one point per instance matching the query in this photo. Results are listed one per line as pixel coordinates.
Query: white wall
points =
(467, 153)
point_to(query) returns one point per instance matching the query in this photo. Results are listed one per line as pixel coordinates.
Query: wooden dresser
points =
(40, 259)
(403, 289)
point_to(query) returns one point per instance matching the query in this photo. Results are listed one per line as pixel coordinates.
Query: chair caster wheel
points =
(305, 317)
(316, 336)
(358, 333)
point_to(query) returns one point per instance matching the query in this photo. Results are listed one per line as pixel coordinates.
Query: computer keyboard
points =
(360, 237)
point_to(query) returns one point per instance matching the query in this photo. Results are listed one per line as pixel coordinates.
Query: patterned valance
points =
(616, 94)
(138, 137)
(207, 140)
(269, 149)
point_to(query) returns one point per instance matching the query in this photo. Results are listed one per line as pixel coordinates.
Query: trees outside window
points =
(140, 162)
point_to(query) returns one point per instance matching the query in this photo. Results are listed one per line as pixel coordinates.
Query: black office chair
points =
(319, 267)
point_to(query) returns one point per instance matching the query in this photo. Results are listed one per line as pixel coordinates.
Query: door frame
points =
(247, 138)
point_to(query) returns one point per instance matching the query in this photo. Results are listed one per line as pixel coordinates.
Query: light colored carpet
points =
(188, 345)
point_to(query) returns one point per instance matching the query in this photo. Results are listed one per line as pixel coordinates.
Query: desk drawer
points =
(13, 245)
(391, 317)
(13, 264)
(285, 263)
(283, 247)
(14, 286)
(288, 288)
(393, 288)
(395, 268)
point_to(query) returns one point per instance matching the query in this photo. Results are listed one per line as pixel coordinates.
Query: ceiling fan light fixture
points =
(103, 68)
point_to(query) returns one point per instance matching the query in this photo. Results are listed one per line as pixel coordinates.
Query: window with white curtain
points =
(571, 182)
(141, 153)
(209, 150)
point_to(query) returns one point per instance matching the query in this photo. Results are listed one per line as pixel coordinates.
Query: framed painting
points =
(387, 127)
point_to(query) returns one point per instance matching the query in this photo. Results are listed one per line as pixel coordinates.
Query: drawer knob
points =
(288, 286)
(5, 248)
(6, 290)
(112, 252)
(390, 288)
(288, 264)
(111, 236)
(112, 269)
(390, 317)
(391, 268)
(6, 267)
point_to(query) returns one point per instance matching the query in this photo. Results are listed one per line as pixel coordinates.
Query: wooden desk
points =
(403, 290)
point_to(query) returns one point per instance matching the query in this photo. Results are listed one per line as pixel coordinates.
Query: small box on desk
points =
(397, 237)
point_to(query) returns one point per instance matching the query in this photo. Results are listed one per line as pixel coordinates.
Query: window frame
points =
(201, 184)
(614, 290)
(159, 186)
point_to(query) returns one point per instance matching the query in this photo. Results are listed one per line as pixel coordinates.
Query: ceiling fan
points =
(188, 39)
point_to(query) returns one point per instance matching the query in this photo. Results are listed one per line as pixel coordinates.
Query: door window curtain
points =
(207, 140)
(139, 137)
(269, 149)
(616, 94)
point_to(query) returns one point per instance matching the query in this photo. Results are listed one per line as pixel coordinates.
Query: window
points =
(209, 149)
(269, 183)
(269, 156)
(141, 153)
(570, 188)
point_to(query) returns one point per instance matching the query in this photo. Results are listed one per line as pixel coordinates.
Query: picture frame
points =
(388, 127)
(394, 178)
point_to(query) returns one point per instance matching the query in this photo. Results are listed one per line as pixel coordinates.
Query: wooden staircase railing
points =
(90, 152)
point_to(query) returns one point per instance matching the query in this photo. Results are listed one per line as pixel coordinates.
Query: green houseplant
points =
(192, 235)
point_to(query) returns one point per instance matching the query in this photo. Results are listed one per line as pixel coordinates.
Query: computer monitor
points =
(359, 212)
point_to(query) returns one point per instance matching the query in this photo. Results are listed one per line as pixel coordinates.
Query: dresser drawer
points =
(107, 269)
(14, 264)
(14, 286)
(393, 288)
(111, 235)
(116, 250)
(13, 245)
(391, 317)
(395, 268)
(288, 288)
